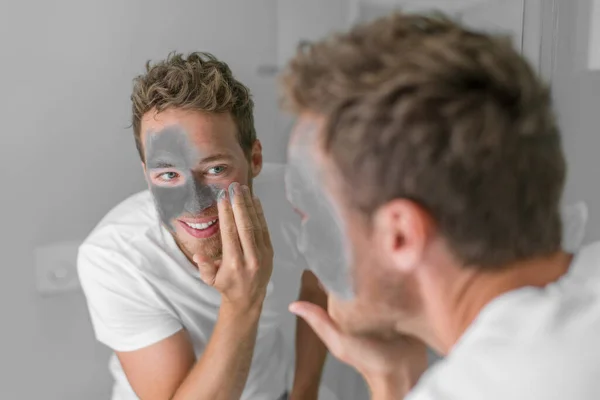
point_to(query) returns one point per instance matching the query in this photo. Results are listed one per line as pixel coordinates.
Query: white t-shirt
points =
(141, 289)
(529, 344)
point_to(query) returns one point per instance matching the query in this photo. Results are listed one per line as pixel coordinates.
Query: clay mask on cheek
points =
(171, 150)
(322, 240)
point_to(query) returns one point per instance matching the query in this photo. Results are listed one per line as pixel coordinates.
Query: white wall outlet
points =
(56, 268)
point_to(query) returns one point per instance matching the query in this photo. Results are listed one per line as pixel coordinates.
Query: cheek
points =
(345, 313)
(364, 263)
(239, 175)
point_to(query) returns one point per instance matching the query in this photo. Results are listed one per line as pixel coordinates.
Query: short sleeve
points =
(126, 313)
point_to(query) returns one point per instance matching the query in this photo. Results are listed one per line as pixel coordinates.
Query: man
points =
(438, 151)
(178, 278)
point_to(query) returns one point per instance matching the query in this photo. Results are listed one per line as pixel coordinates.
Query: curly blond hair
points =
(197, 82)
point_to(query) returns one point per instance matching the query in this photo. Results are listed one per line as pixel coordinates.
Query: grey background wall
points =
(68, 155)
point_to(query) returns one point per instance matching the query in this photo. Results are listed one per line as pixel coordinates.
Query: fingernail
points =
(246, 189)
(233, 189)
(222, 195)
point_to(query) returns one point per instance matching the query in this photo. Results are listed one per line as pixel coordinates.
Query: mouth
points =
(201, 229)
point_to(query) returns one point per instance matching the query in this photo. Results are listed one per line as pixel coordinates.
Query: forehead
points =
(306, 133)
(305, 145)
(206, 131)
(307, 156)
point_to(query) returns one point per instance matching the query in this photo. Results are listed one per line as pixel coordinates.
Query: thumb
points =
(322, 324)
(208, 269)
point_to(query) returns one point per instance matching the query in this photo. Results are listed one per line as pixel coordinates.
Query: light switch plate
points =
(56, 268)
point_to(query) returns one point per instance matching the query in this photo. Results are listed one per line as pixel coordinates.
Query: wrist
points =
(395, 386)
(250, 308)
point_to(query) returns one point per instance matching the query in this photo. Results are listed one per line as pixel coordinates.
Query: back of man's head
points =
(424, 109)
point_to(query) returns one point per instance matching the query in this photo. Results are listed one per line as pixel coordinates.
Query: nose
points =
(201, 197)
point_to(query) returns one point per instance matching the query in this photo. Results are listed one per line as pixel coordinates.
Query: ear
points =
(403, 229)
(256, 158)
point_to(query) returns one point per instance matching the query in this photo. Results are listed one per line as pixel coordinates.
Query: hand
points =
(244, 271)
(391, 367)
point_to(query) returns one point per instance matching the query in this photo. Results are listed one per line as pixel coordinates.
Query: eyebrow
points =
(163, 164)
(216, 157)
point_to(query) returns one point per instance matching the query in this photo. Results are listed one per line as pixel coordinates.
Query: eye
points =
(168, 176)
(217, 170)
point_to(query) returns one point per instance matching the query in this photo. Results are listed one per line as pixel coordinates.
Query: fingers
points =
(207, 268)
(266, 237)
(227, 226)
(320, 322)
(256, 226)
(243, 222)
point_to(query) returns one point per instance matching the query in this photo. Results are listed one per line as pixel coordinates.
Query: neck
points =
(457, 306)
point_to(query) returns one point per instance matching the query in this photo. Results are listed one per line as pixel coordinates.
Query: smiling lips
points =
(201, 228)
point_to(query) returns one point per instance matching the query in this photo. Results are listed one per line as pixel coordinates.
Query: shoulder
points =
(519, 371)
(120, 242)
(543, 341)
(130, 218)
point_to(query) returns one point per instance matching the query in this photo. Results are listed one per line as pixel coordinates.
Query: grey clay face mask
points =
(322, 240)
(171, 148)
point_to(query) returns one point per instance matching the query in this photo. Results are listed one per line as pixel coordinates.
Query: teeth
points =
(202, 226)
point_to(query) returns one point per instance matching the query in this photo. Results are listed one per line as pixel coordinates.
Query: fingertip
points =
(222, 195)
(199, 260)
(294, 308)
(299, 308)
(234, 188)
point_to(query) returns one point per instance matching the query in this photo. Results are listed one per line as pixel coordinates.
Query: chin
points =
(209, 247)
(359, 324)
(382, 331)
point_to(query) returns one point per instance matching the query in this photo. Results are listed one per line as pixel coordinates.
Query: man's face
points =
(321, 241)
(190, 158)
(345, 251)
